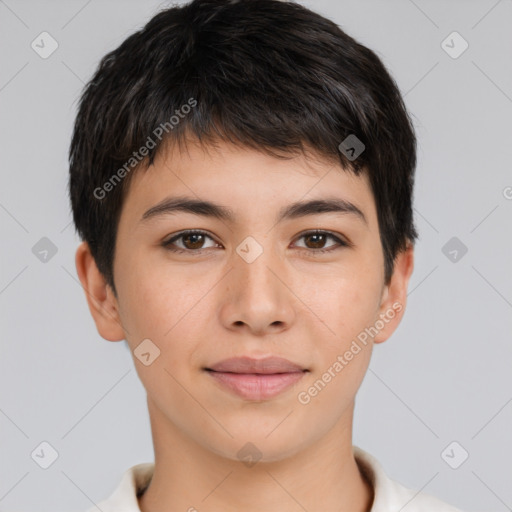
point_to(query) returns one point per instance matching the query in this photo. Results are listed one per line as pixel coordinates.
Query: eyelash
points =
(167, 244)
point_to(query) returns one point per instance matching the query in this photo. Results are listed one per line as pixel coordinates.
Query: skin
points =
(290, 302)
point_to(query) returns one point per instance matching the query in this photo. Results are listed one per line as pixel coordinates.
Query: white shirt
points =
(389, 495)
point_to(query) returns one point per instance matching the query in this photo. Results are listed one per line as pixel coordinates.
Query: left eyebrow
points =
(316, 206)
(171, 205)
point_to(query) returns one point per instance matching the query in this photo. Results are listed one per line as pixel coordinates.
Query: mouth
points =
(256, 379)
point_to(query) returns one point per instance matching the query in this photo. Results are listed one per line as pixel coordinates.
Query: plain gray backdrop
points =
(443, 378)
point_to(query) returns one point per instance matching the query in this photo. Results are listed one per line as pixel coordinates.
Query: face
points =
(259, 275)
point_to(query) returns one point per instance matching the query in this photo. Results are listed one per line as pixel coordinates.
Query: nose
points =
(257, 298)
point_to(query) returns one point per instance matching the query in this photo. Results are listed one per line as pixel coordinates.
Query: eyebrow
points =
(171, 205)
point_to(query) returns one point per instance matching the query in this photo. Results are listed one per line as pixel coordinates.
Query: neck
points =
(324, 476)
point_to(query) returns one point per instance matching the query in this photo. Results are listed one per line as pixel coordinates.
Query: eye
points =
(190, 241)
(316, 241)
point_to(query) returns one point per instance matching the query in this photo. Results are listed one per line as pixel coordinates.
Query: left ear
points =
(394, 295)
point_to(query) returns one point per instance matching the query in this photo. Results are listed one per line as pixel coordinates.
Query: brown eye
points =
(316, 240)
(188, 241)
(193, 241)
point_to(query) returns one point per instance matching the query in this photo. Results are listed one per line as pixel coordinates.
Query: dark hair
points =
(264, 74)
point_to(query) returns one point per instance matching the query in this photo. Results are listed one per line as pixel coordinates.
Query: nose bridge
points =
(256, 265)
(258, 296)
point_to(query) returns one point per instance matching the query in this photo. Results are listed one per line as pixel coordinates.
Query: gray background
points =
(444, 376)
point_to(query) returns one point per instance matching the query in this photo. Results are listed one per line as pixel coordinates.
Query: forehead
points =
(244, 180)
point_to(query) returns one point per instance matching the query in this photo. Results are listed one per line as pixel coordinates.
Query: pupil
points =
(319, 243)
(196, 244)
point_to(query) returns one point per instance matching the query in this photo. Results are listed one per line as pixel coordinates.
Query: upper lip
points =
(265, 366)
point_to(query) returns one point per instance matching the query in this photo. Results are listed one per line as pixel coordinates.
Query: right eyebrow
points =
(189, 205)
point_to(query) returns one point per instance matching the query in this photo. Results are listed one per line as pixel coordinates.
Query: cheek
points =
(348, 304)
(152, 300)
(164, 310)
(169, 307)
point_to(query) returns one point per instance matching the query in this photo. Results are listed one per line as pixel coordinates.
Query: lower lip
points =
(253, 386)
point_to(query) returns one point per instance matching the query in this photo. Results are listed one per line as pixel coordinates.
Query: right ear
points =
(100, 297)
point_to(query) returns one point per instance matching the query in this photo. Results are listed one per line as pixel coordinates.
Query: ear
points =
(394, 295)
(100, 297)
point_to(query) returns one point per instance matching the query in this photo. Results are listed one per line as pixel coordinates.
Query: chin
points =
(256, 445)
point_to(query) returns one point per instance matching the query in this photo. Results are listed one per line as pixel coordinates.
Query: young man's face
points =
(255, 286)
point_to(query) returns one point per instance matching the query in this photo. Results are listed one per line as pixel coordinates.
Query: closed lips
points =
(266, 366)
(256, 379)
